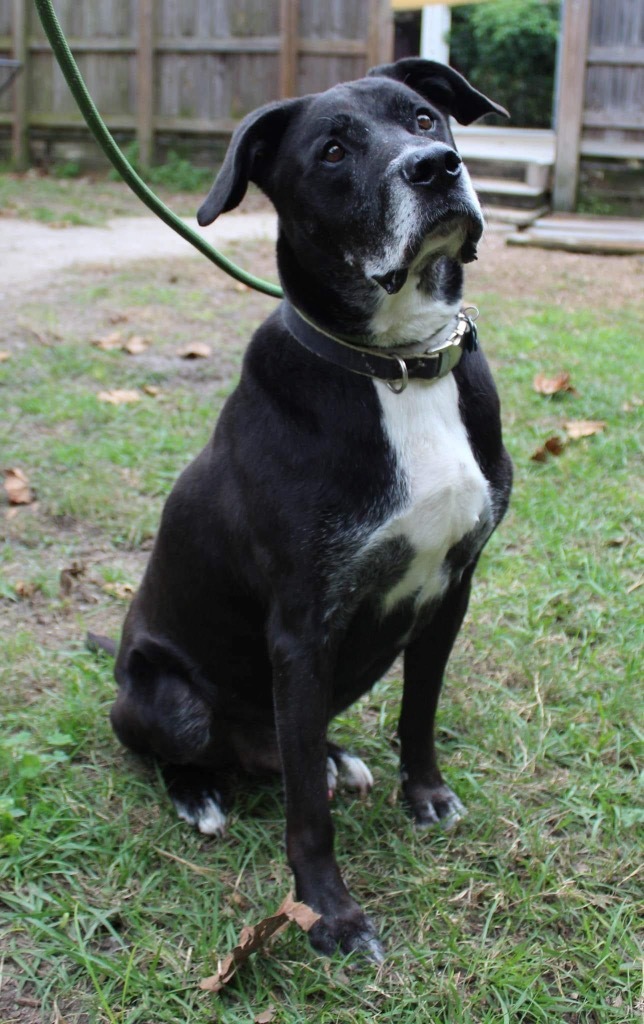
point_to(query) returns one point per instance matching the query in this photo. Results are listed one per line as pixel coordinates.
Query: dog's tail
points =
(95, 642)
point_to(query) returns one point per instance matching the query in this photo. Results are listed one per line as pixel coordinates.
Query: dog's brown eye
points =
(333, 153)
(424, 121)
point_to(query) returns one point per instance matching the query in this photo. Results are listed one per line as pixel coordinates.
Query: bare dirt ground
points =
(31, 252)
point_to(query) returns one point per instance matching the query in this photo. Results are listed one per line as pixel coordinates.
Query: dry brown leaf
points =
(583, 428)
(67, 577)
(16, 484)
(119, 318)
(4, 356)
(119, 396)
(553, 445)
(109, 341)
(25, 590)
(267, 1016)
(254, 937)
(558, 384)
(123, 591)
(195, 350)
(135, 345)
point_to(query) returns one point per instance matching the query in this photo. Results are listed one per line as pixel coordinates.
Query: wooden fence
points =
(601, 88)
(183, 66)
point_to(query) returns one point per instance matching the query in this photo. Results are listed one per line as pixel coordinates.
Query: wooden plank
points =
(232, 44)
(19, 131)
(617, 149)
(289, 26)
(120, 44)
(573, 48)
(613, 119)
(380, 43)
(624, 56)
(145, 82)
(333, 47)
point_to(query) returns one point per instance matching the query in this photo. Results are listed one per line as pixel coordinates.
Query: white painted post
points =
(435, 22)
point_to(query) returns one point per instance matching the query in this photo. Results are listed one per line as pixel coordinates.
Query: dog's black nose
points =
(435, 162)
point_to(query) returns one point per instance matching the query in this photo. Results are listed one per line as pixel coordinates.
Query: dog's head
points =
(365, 177)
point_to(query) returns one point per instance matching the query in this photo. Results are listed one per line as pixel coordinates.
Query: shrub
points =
(508, 49)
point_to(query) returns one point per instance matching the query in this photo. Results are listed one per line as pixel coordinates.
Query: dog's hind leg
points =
(160, 713)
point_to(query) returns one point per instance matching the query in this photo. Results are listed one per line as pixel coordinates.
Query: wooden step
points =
(498, 190)
(608, 235)
(513, 215)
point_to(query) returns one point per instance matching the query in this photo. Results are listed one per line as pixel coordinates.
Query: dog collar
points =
(396, 367)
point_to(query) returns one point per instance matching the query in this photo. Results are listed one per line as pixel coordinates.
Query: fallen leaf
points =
(119, 396)
(16, 484)
(135, 345)
(267, 1016)
(583, 428)
(553, 385)
(67, 577)
(109, 341)
(254, 937)
(25, 590)
(553, 446)
(4, 356)
(195, 350)
(119, 318)
(151, 389)
(123, 591)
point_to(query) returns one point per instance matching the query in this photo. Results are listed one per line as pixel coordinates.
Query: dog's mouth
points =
(454, 233)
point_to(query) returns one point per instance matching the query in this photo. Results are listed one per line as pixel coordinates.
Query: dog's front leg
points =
(426, 794)
(302, 688)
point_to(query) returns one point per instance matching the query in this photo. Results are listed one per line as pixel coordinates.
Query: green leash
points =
(105, 140)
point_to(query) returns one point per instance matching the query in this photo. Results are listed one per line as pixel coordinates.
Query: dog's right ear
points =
(254, 141)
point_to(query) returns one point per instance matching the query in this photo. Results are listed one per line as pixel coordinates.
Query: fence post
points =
(289, 36)
(19, 131)
(571, 80)
(380, 39)
(145, 82)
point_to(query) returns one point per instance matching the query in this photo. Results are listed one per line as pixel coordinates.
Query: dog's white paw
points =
(351, 772)
(204, 814)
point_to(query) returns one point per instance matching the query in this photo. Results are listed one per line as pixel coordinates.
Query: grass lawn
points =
(111, 910)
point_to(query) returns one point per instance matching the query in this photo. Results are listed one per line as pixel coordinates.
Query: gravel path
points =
(32, 251)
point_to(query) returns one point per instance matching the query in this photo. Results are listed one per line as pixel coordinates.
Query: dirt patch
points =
(569, 280)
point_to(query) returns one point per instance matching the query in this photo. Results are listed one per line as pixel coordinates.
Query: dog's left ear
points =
(248, 157)
(442, 86)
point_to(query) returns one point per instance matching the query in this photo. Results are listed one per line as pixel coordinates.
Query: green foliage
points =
(508, 48)
(175, 173)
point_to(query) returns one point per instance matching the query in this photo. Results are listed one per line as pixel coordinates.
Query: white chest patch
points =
(444, 494)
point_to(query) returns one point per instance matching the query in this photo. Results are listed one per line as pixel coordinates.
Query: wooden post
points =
(380, 41)
(289, 48)
(20, 128)
(571, 81)
(145, 82)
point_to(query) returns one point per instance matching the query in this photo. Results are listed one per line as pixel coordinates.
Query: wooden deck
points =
(611, 236)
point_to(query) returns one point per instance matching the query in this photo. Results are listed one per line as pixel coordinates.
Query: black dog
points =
(336, 516)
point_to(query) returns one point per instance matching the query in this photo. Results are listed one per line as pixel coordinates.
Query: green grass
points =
(111, 910)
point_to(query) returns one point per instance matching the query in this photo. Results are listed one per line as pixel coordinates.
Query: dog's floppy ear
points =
(247, 157)
(442, 86)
